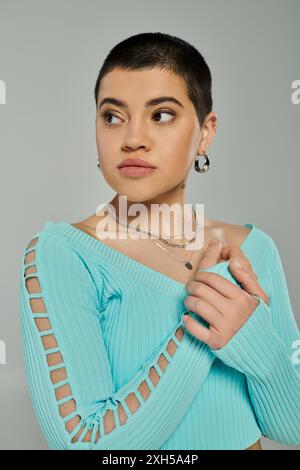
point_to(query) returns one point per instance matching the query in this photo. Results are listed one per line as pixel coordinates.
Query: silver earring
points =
(205, 167)
(98, 164)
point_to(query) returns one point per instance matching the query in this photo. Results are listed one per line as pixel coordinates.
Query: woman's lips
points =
(135, 170)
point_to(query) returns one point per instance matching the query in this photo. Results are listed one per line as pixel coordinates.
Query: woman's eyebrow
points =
(152, 102)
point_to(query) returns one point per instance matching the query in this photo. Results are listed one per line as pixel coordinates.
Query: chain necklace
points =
(164, 240)
(187, 263)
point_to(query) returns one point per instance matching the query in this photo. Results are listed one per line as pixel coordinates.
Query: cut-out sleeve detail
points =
(68, 369)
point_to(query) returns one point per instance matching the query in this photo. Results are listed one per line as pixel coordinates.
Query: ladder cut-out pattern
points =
(79, 429)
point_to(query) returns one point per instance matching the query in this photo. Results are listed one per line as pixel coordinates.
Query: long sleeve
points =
(68, 369)
(264, 349)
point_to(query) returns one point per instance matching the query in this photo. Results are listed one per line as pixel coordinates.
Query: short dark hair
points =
(155, 49)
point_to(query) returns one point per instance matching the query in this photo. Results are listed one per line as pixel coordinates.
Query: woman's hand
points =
(225, 253)
(224, 305)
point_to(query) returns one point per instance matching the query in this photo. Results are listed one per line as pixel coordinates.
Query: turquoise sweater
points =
(115, 321)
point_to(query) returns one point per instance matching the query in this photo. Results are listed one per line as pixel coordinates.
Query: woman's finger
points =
(196, 329)
(211, 255)
(219, 283)
(205, 310)
(235, 252)
(215, 290)
(248, 282)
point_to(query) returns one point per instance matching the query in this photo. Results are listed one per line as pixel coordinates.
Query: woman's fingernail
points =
(237, 264)
(184, 317)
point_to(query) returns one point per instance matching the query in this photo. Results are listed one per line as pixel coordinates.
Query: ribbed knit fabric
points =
(111, 319)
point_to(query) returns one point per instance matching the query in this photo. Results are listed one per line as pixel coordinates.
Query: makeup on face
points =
(135, 167)
(135, 170)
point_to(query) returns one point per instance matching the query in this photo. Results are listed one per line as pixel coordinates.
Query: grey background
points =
(50, 55)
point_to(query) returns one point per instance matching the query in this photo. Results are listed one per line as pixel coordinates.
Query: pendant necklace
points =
(187, 262)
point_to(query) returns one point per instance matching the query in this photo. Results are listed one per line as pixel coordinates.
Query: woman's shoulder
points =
(47, 230)
(52, 241)
(234, 234)
(58, 255)
(229, 233)
(255, 241)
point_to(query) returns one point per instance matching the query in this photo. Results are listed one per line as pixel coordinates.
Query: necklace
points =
(187, 263)
(164, 240)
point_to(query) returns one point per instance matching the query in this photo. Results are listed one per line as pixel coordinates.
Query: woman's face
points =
(166, 134)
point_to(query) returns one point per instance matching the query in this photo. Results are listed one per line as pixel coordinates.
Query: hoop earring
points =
(205, 166)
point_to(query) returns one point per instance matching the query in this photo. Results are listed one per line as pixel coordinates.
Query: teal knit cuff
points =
(255, 349)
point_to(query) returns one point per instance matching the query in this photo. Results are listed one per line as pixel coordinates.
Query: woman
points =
(111, 362)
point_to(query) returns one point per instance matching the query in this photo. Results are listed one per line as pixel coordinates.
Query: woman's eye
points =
(107, 114)
(164, 112)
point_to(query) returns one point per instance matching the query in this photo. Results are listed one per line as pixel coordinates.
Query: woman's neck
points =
(168, 217)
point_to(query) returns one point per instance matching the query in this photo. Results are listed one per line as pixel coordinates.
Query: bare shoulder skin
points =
(228, 234)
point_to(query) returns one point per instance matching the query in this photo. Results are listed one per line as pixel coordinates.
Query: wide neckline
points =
(144, 274)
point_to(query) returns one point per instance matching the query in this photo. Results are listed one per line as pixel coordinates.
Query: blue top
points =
(110, 366)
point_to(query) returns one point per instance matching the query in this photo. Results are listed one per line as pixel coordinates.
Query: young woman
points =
(111, 361)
